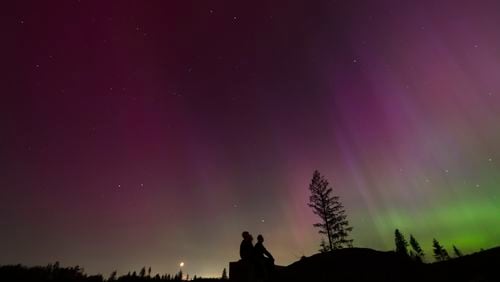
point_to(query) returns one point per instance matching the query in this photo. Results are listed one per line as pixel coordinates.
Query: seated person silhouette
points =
(246, 247)
(263, 259)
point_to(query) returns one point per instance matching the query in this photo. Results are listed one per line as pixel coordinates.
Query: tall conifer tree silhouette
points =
(334, 223)
(457, 252)
(417, 250)
(440, 253)
(401, 244)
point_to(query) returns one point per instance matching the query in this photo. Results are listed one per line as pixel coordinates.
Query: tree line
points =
(56, 273)
(414, 250)
(335, 229)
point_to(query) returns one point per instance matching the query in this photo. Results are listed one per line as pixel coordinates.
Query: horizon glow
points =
(149, 134)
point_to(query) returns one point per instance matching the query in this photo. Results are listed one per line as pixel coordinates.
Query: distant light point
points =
(181, 264)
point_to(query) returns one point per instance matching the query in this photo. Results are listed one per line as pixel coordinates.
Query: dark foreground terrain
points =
(346, 265)
(369, 265)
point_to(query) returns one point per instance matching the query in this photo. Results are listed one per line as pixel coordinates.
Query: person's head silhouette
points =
(245, 235)
(260, 238)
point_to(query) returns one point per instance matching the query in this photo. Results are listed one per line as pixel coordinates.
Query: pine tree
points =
(179, 276)
(334, 223)
(142, 273)
(224, 274)
(457, 252)
(401, 244)
(112, 276)
(418, 253)
(440, 253)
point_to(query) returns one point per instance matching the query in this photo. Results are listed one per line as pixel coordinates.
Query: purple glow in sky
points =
(146, 133)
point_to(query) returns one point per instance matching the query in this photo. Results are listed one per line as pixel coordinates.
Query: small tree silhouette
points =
(142, 273)
(457, 252)
(179, 276)
(112, 276)
(440, 253)
(334, 223)
(401, 244)
(417, 250)
(224, 274)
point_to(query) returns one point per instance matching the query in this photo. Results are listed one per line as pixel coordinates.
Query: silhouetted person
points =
(263, 258)
(246, 246)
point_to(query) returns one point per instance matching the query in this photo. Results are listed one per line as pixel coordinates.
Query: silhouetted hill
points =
(480, 266)
(353, 264)
(345, 265)
(358, 264)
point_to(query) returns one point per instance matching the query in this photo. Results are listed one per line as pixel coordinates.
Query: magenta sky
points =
(152, 132)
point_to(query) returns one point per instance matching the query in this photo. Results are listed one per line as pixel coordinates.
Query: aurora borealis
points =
(146, 133)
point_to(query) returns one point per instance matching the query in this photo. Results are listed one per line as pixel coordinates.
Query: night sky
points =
(146, 133)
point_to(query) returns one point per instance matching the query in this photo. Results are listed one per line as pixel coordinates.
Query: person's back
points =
(246, 247)
(261, 251)
(263, 259)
